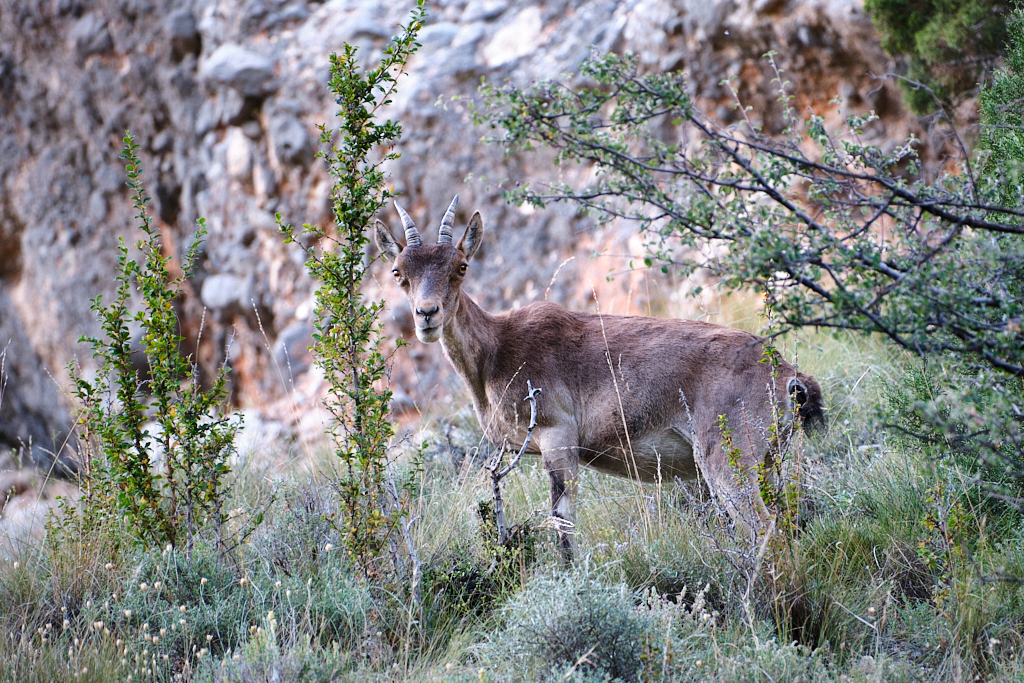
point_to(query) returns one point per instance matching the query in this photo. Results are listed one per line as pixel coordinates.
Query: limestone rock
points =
(247, 72)
(402, 404)
(259, 434)
(290, 139)
(222, 292)
(23, 516)
(438, 35)
(516, 39)
(223, 109)
(238, 155)
(183, 33)
(291, 350)
(34, 422)
(90, 35)
(484, 9)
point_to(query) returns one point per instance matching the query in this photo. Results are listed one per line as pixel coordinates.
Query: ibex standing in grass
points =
(629, 395)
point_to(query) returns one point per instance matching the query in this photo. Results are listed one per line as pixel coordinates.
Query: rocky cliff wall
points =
(225, 96)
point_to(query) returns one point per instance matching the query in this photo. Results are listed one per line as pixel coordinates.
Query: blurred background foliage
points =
(950, 47)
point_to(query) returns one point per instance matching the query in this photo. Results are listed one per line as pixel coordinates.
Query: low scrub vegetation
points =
(902, 568)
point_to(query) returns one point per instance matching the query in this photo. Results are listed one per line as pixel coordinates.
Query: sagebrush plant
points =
(89, 604)
(569, 621)
(348, 344)
(156, 447)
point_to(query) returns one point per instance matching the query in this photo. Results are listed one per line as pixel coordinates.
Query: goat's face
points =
(431, 275)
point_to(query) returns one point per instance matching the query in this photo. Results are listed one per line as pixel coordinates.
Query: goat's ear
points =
(470, 242)
(797, 391)
(386, 242)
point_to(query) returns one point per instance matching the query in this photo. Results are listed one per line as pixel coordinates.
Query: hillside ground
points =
(894, 567)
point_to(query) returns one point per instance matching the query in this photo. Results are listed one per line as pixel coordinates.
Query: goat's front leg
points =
(561, 460)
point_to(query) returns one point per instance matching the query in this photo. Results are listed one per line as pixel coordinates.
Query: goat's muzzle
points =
(429, 322)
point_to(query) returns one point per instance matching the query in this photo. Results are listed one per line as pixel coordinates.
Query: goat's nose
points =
(427, 312)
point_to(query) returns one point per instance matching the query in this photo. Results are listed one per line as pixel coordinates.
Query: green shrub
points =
(930, 416)
(457, 587)
(1002, 118)
(348, 345)
(167, 481)
(948, 45)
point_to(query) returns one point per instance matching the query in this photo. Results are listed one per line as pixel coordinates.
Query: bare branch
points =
(498, 474)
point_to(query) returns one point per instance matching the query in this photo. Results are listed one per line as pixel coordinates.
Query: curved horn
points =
(412, 235)
(444, 233)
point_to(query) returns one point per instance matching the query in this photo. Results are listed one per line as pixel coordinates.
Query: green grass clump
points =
(212, 604)
(670, 564)
(303, 522)
(261, 659)
(165, 611)
(28, 658)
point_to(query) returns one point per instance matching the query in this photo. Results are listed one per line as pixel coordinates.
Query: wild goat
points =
(629, 395)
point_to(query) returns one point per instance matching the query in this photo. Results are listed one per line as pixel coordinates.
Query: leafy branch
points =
(838, 234)
(348, 341)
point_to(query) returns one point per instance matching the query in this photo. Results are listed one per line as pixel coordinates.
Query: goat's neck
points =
(470, 341)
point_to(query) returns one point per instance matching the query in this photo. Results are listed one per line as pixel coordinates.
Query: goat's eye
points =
(462, 268)
(398, 275)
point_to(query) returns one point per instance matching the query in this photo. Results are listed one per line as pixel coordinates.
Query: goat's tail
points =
(806, 393)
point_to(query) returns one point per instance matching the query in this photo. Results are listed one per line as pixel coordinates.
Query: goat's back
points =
(605, 367)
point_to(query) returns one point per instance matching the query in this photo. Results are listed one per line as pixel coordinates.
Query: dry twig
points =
(498, 473)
